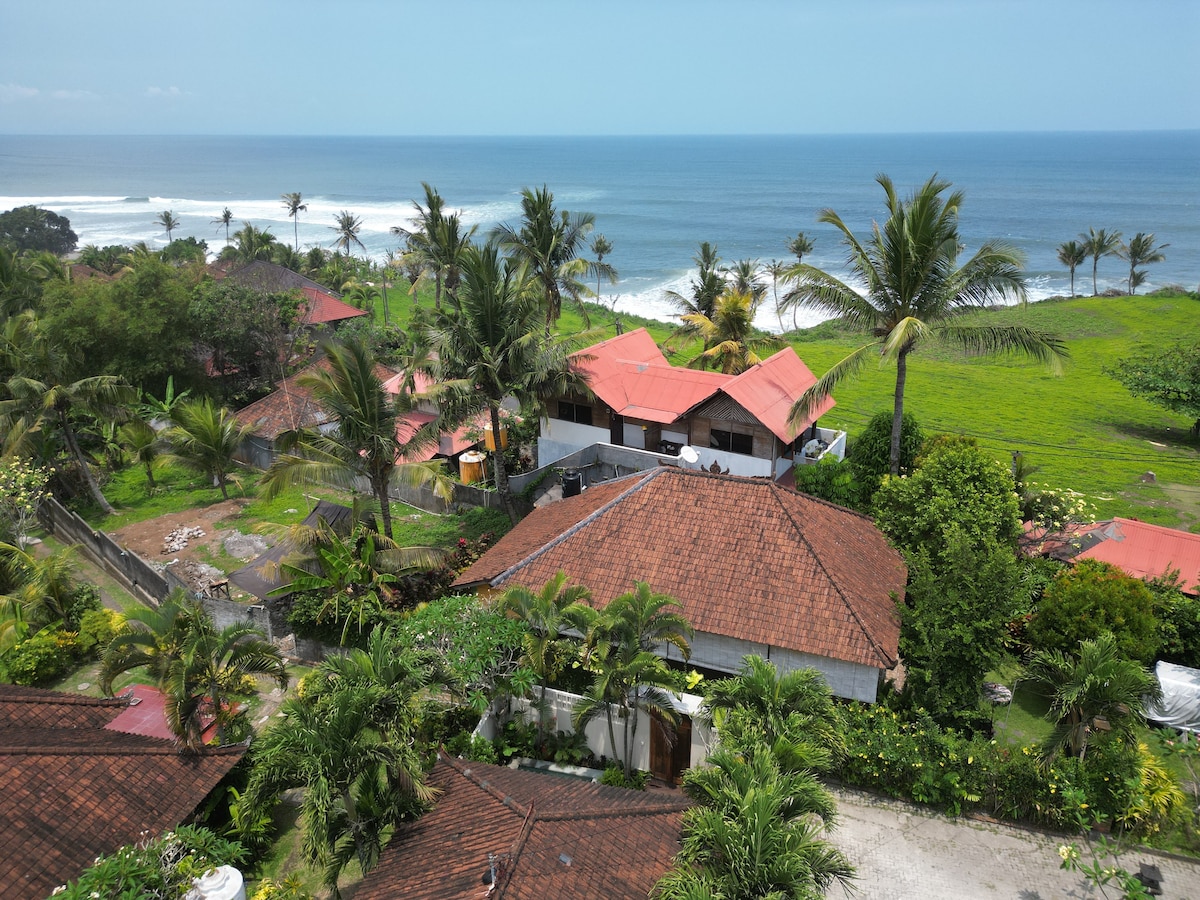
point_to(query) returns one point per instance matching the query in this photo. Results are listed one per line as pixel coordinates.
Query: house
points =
(520, 835)
(319, 307)
(73, 787)
(738, 423)
(1139, 548)
(291, 407)
(758, 568)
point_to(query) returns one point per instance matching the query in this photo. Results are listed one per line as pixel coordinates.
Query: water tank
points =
(222, 883)
(470, 466)
(572, 483)
(489, 439)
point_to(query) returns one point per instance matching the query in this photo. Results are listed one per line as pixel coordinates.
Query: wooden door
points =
(670, 748)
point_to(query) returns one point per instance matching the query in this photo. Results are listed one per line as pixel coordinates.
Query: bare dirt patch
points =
(161, 541)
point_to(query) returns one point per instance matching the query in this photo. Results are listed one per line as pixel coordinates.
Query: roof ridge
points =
(875, 644)
(161, 747)
(486, 786)
(516, 848)
(642, 479)
(650, 809)
(67, 699)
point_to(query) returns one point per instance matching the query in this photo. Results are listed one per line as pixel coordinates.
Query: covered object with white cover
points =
(1180, 704)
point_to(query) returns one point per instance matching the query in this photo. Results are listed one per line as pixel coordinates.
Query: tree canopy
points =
(33, 228)
(1166, 376)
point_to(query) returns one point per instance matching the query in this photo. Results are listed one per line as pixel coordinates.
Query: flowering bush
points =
(41, 657)
(22, 489)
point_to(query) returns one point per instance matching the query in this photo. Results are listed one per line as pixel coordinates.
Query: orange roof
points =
(630, 374)
(769, 390)
(1144, 550)
(320, 308)
(550, 838)
(748, 559)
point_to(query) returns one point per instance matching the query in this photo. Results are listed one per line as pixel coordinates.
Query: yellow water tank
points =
(471, 466)
(489, 439)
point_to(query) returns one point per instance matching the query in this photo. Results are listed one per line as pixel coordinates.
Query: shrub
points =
(289, 888)
(475, 747)
(1178, 621)
(614, 776)
(871, 452)
(1093, 598)
(85, 598)
(42, 657)
(96, 629)
(836, 481)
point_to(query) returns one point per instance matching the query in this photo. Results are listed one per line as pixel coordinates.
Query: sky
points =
(566, 67)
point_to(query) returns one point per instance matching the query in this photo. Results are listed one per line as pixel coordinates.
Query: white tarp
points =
(1180, 706)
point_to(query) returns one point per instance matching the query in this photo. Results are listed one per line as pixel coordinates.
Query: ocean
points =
(654, 198)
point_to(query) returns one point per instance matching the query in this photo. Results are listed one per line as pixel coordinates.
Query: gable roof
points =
(1138, 548)
(72, 789)
(747, 559)
(320, 306)
(630, 374)
(552, 838)
(287, 408)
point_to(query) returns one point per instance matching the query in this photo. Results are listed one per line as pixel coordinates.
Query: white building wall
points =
(736, 463)
(559, 438)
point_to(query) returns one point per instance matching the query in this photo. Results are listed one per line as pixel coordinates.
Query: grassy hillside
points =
(1082, 429)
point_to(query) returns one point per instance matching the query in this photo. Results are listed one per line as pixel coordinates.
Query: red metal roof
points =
(1146, 551)
(630, 374)
(320, 308)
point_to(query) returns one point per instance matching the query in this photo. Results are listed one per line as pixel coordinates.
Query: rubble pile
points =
(178, 539)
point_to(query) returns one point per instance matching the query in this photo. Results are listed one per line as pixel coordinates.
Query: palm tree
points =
(1095, 691)
(364, 443)
(346, 227)
(489, 348)
(1140, 251)
(42, 394)
(294, 206)
(915, 289)
(168, 220)
(550, 242)
(742, 278)
(143, 445)
(151, 638)
(45, 585)
(205, 438)
(706, 287)
(760, 705)
(622, 651)
(602, 247)
(224, 218)
(1097, 244)
(250, 243)
(359, 780)
(800, 246)
(1072, 254)
(728, 336)
(755, 834)
(549, 616)
(210, 669)
(437, 244)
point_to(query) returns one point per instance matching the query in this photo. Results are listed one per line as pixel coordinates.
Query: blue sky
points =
(493, 67)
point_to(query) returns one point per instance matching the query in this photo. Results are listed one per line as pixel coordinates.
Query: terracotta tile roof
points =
(71, 790)
(553, 838)
(630, 374)
(289, 407)
(320, 306)
(748, 559)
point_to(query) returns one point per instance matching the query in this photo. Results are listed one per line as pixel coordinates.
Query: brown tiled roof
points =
(553, 838)
(71, 790)
(747, 559)
(287, 408)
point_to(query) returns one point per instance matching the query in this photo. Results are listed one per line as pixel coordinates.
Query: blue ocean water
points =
(655, 198)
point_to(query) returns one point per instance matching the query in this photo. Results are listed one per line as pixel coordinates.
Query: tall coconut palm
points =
(1098, 243)
(364, 442)
(706, 287)
(250, 243)
(916, 290)
(294, 205)
(45, 585)
(1096, 691)
(1140, 251)
(1072, 254)
(168, 220)
(43, 394)
(346, 227)
(550, 242)
(742, 278)
(358, 780)
(437, 244)
(205, 438)
(755, 834)
(549, 616)
(490, 348)
(730, 340)
(602, 247)
(210, 670)
(225, 218)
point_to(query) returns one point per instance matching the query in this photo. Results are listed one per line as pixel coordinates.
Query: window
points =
(579, 413)
(731, 442)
